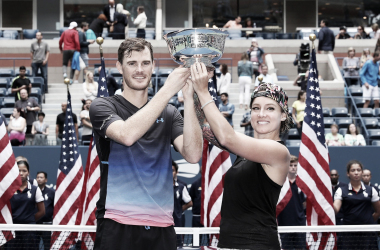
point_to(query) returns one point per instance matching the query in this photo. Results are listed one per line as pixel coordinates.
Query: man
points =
(84, 50)
(48, 194)
(133, 138)
(326, 39)
(294, 212)
(109, 11)
(21, 82)
(61, 121)
(31, 108)
(301, 81)
(264, 73)
(246, 124)
(39, 52)
(227, 109)
(70, 39)
(369, 74)
(343, 33)
(366, 177)
(140, 22)
(234, 24)
(334, 176)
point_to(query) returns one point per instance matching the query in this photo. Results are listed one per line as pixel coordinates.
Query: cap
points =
(73, 25)
(254, 40)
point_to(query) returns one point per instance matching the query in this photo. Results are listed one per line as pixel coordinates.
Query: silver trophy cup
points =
(196, 45)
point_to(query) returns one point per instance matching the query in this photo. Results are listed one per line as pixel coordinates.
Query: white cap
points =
(254, 40)
(73, 25)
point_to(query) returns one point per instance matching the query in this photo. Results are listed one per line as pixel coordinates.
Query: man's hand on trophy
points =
(188, 90)
(177, 79)
(200, 77)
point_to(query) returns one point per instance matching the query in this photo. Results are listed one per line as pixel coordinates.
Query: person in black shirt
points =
(61, 121)
(343, 33)
(21, 82)
(326, 38)
(112, 86)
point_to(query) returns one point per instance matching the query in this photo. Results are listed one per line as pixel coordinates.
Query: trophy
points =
(196, 45)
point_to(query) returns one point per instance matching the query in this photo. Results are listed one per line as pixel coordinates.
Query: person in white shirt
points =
(140, 22)
(223, 82)
(264, 73)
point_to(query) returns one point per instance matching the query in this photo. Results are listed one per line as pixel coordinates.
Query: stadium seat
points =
(8, 102)
(370, 122)
(132, 33)
(283, 78)
(328, 121)
(10, 34)
(7, 73)
(4, 82)
(366, 112)
(9, 92)
(326, 112)
(377, 112)
(374, 134)
(343, 122)
(217, 72)
(3, 92)
(327, 130)
(284, 36)
(1, 33)
(359, 101)
(120, 81)
(174, 101)
(164, 72)
(7, 112)
(375, 143)
(356, 90)
(342, 131)
(29, 33)
(269, 35)
(161, 81)
(1, 103)
(114, 72)
(293, 143)
(293, 134)
(36, 92)
(339, 112)
(150, 92)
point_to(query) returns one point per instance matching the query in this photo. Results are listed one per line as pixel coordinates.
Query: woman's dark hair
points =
(335, 125)
(246, 22)
(244, 56)
(224, 69)
(300, 94)
(23, 163)
(41, 113)
(350, 49)
(22, 113)
(103, 17)
(352, 162)
(356, 130)
(175, 165)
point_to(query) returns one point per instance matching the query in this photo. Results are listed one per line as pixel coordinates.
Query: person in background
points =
(264, 74)
(39, 52)
(246, 124)
(361, 33)
(234, 24)
(369, 76)
(224, 81)
(47, 219)
(97, 25)
(112, 86)
(140, 22)
(360, 206)
(301, 81)
(40, 130)
(299, 110)
(227, 109)
(248, 24)
(27, 207)
(366, 177)
(335, 183)
(245, 72)
(334, 138)
(90, 87)
(366, 56)
(70, 40)
(121, 21)
(109, 11)
(84, 43)
(61, 121)
(128, 15)
(353, 138)
(85, 119)
(17, 127)
(343, 33)
(255, 54)
(376, 31)
(326, 38)
(351, 66)
(21, 82)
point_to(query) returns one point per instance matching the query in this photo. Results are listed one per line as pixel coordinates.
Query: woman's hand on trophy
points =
(177, 79)
(188, 90)
(199, 75)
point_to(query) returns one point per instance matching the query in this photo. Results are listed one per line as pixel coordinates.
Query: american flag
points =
(313, 176)
(10, 181)
(215, 163)
(91, 184)
(284, 198)
(69, 184)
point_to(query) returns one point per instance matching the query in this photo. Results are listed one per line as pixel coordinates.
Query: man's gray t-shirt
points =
(30, 115)
(39, 51)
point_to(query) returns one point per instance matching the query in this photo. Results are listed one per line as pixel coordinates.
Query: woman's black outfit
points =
(121, 21)
(97, 26)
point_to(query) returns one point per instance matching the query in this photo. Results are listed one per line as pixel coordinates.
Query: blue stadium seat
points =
(9, 92)
(4, 82)
(8, 102)
(10, 34)
(375, 143)
(377, 112)
(29, 33)
(327, 130)
(1, 103)
(343, 122)
(339, 112)
(370, 123)
(238, 38)
(269, 35)
(96, 79)
(7, 112)
(150, 92)
(293, 143)
(293, 134)
(359, 101)
(342, 131)
(326, 112)
(114, 72)
(7, 73)
(132, 33)
(374, 134)
(162, 81)
(3, 92)
(174, 101)
(120, 81)
(283, 78)
(36, 92)
(356, 90)
(366, 112)
(328, 121)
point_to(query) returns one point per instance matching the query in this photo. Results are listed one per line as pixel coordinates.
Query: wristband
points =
(206, 104)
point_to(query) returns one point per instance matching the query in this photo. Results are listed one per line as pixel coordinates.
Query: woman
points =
(361, 33)
(252, 185)
(333, 138)
(360, 206)
(27, 207)
(366, 55)
(248, 24)
(351, 66)
(223, 82)
(98, 24)
(255, 53)
(299, 110)
(90, 88)
(245, 72)
(17, 127)
(353, 138)
(120, 22)
(40, 130)
(85, 119)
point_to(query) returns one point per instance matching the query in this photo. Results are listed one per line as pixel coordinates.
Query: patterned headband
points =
(276, 93)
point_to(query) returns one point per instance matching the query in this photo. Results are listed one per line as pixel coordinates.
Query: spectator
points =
(245, 72)
(227, 109)
(326, 38)
(112, 86)
(343, 33)
(90, 88)
(369, 75)
(30, 107)
(264, 73)
(366, 178)
(376, 31)
(39, 51)
(128, 14)
(334, 176)
(109, 11)
(21, 82)
(140, 22)
(61, 121)
(234, 24)
(352, 137)
(17, 127)
(246, 123)
(84, 43)
(299, 110)
(334, 138)
(293, 214)
(40, 130)
(224, 81)
(121, 21)
(366, 56)
(27, 208)
(47, 219)
(248, 24)
(255, 54)
(97, 25)
(361, 33)
(70, 39)
(86, 123)
(360, 205)
(351, 66)
(301, 80)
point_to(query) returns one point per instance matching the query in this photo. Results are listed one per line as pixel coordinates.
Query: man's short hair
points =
(141, 9)
(22, 68)
(42, 172)
(343, 28)
(83, 24)
(325, 21)
(41, 113)
(264, 65)
(133, 44)
(376, 54)
(225, 94)
(293, 158)
(175, 165)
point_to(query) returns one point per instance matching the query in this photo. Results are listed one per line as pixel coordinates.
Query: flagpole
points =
(260, 78)
(67, 82)
(100, 41)
(312, 38)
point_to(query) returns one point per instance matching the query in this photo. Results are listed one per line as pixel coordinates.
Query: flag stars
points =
(312, 97)
(312, 105)
(103, 79)
(64, 167)
(312, 114)
(71, 152)
(319, 133)
(71, 159)
(71, 145)
(311, 88)
(318, 116)
(317, 98)
(64, 160)
(318, 107)
(312, 123)
(318, 125)
(102, 88)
